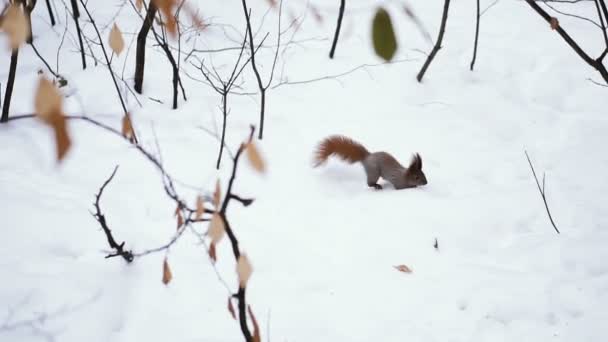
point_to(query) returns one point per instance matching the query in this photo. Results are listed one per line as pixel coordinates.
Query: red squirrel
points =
(376, 165)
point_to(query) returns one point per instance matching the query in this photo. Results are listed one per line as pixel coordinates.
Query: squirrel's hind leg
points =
(373, 174)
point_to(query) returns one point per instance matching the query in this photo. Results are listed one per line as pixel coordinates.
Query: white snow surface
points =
(322, 244)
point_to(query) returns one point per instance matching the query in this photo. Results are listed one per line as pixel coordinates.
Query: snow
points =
(322, 244)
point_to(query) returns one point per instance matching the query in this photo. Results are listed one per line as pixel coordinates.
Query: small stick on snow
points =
(541, 190)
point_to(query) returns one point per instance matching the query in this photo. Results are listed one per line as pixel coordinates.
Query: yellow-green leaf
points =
(383, 35)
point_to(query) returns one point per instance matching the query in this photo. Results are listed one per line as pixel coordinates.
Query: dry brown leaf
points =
(200, 208)
(139, 4)
(403, 268)
(198, 22)
(178, 214)
(216, 228)
(212, 252)
(217, 195)
(47, 101)
(48, 106)
(244, 270)
(62, 138)
(256, 328)
(196, 19)
(167, 276)
(231, 308)
(116, 41)
(180, 220)
(166, 9)
(273, 3)
(316, 14)
(554, 23)
(255, 158)
(15, 25)
(127, 128)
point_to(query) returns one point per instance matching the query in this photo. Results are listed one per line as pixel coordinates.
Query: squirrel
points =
(376, 165)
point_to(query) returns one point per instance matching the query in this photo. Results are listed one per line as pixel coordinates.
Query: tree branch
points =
(119, 248)
(338, 25)
(437, 46)
(75, 16)
(596, 64)
(476, 38)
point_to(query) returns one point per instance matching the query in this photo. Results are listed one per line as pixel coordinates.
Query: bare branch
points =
(338, 25)
(595, 63)
(119, 248)
(476, 38)
(437, 46)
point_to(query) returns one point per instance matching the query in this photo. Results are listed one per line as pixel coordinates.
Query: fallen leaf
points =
(15, 25)
(244, 270)
(255, 158)
(403, 268)
(167, 276)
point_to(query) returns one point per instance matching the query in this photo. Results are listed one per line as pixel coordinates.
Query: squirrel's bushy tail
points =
(344, 147)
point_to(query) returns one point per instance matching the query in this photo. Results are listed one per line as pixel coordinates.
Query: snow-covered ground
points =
(322, 244)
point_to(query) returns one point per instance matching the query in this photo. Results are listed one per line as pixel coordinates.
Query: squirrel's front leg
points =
(375, 186)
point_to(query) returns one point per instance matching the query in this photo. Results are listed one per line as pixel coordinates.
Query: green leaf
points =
(383, 35)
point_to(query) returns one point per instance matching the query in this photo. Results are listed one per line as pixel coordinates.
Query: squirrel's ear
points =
(419, 161)
(414, 164)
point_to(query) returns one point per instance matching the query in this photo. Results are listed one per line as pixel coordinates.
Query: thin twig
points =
(337, 76)
(541, 191)
(476, 38)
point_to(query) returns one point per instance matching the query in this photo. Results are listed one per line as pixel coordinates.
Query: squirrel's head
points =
(414, 175)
